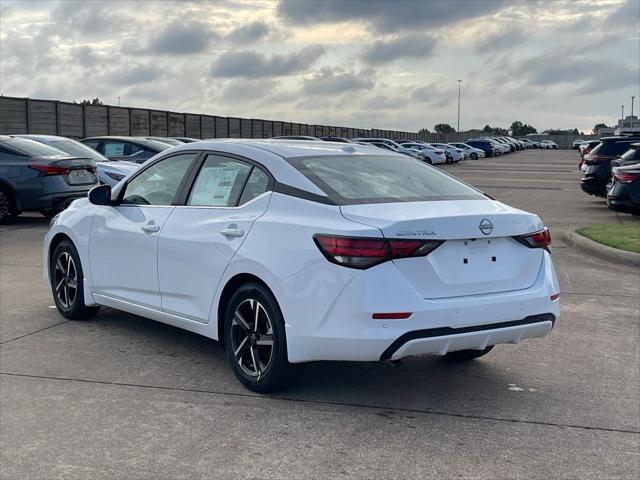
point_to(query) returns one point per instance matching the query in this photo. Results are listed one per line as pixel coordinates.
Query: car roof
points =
(42, 137)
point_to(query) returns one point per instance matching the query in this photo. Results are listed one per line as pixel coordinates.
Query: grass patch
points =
(623, 237)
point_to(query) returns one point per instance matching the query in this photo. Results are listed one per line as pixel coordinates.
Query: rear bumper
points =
(345, 329)
(439, 341)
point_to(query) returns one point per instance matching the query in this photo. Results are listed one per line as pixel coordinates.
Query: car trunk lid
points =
(479, 254)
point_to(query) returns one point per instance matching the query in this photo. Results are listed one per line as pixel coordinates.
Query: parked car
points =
(174, 142)
(454, 154)
(187, 139)
(623, 190)
(548, 144)
(584, 149)
(132, 149)
(530, 143)
(107, 171)
(37, 177)
(511, 145)
(576, 143)
(484, 145)
(296, 137)
(335, 139)
(597, 168)
(504, 149)
(429, 153)
(389, 145)
(358, 267)
(472, 152)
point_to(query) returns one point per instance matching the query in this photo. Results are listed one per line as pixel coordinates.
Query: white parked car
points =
(548, 144)
(430, 154)
(472, 152)
(291, 252)
(455, 154)
(108, 171)
(576, 143)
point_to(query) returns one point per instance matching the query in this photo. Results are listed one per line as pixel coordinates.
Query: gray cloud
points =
(626, 15)
(411, 45)
(337, 80)
(135, 74)
(249, 33)
(182, 38)
(248, 64)
(90, 18)
(83, 56)
(435, 94)
(500, 41)
(385, 16)
(382, 102)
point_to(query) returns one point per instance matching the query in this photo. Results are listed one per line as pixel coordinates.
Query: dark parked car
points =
(37, 177)
(131, 149)
(597, 170)
(585, 148)
(623, 193)
(483, 145)
(336, 139)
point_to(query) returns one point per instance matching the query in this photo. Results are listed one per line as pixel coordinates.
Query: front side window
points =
(114, 148)
(381, 179)
(220, 182)
(158, 184)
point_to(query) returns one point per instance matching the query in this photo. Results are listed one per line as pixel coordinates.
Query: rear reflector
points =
(365, 252)
(554, 297)
(541, 239)
(391, 316)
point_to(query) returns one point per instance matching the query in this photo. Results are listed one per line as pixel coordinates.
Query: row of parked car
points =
(611, 169)
(45, 173)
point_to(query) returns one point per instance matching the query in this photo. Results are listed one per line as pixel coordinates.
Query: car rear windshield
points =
(612, 148)
(631, 154)
(350, 180)
(77, 149)
(33, 148)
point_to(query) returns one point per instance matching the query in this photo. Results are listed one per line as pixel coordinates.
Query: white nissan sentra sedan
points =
(290, 252)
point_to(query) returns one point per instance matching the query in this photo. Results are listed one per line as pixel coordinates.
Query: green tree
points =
(487, 129)
(444, 128)
(597, 126)
(424, 131)
(518, 128)
(95, 101)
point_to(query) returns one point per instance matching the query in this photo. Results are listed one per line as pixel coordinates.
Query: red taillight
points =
(541, 239)
(360, 252)
(626, 177)
(50, 169)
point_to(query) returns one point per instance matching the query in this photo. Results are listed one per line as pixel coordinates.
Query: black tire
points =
(466, 355)
(258, 366)
(8, 211)
(49, 213)
(65, 276)
(474, 156)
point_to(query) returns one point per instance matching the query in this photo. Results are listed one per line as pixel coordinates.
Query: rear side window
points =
(219, 183)
(350, 180)
(31, 147)
(612, 148)
(631, 154)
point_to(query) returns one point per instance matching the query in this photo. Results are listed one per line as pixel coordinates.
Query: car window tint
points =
(93, 143)
(32, 147)
(256, 185)
(158, 184)
(114, 148)
(381, 179)
(78, 149)
(219, 182)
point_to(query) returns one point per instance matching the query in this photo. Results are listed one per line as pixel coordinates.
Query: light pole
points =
(632, 105)
(459, 87)
(622, 107)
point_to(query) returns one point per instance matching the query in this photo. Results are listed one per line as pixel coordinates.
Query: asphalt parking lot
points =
(122, 397)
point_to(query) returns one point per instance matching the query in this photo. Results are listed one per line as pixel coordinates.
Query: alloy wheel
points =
(5, 205)
(252, 338)
(66, 280)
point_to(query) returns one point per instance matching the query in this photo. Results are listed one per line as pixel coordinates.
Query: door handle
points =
(150, 228)
(232, 231)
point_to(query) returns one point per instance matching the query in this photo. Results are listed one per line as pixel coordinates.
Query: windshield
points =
(350, 180)
(77, 149)
(31, 147)
(631, 154)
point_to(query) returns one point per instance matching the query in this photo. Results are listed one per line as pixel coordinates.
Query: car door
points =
(124, 237)
(200, 237)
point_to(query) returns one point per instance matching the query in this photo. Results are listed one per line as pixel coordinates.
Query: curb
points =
(599, 250)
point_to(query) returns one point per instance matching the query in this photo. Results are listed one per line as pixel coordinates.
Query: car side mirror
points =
(100, 195)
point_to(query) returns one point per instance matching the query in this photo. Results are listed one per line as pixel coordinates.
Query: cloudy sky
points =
(369, 64)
